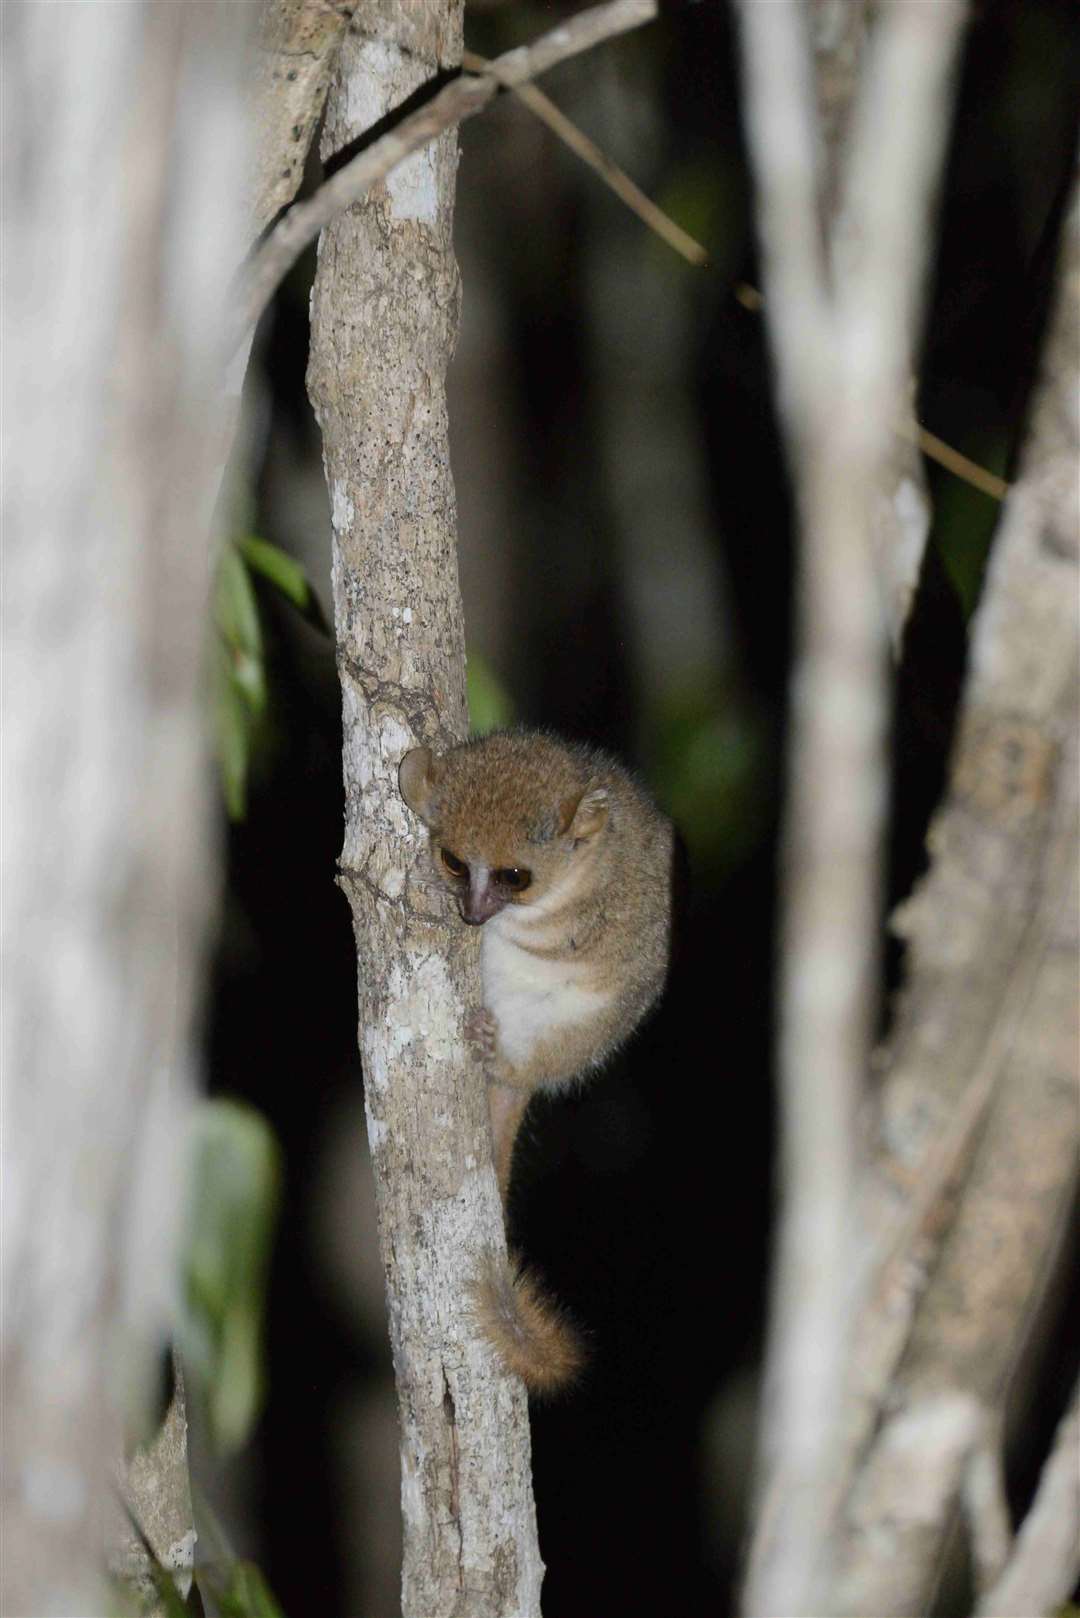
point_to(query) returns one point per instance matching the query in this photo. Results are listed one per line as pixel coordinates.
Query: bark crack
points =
(450, 1412)
(417, 705)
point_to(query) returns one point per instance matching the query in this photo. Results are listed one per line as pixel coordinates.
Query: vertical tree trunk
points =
(900, 515)
(953, 1226)
(842, 308)
(979, 1090)
(385, 313)
(122, 202)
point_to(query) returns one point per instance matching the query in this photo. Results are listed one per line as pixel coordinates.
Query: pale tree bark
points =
(911, 1275)
(1042, 1572)
(969, 1195)
(292, 54)
(900, 518)
(841, 306)
(294, 49)
(122, 196)
(385, 312)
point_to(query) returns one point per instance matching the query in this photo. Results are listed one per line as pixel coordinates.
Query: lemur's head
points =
(512, 816)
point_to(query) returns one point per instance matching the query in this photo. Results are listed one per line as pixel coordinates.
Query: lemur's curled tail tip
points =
(525, 1327)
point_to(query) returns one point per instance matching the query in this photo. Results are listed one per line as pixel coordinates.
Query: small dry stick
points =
(462, 98)
(969, 471)
(933, 447)
(609, 171)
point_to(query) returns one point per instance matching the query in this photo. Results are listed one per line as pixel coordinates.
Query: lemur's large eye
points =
(455, 866)
(514, 879)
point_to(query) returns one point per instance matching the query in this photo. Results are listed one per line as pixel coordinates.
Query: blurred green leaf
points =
(232, 1212)
(231, 720)
(287, 575)
(236, 610)
(238, 677)
(237, 1588)
(708, 764)
(490, 704)
(704, 198)
(247, 1594)
(172, 1602)
(248, 675)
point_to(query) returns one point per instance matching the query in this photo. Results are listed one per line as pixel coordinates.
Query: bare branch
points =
(461, 99)
(840, 358)
(1045, 1563)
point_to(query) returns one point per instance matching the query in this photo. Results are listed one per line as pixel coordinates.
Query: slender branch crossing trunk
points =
(385, 313)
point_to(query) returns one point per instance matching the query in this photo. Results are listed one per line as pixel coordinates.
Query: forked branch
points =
(460, 99)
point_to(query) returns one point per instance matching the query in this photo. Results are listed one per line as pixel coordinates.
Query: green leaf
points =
(238, 1588)
(172, 1602)
(286, 574)
(236, 610)
(490, 704)
(248, 675)
(232, 734)
(708, 763)
(247, 1594)
(232, 1212)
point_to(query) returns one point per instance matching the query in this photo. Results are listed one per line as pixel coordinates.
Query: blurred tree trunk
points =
(975, 1175)
(384, 316)
(122, 195)
(901, 510)
(944, 1239)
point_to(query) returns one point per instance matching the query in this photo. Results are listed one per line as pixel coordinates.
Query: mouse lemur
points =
(565, 862)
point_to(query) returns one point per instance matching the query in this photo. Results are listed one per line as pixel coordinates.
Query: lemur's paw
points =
(482, 1034)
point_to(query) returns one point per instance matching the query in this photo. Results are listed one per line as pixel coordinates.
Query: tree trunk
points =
(952, 1229)
(979, 1128)
(122, 201)
(385, 313)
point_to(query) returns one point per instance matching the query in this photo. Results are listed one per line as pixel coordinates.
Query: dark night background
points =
(590, 355)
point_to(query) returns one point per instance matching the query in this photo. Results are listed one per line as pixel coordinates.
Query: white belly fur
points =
(529, 997)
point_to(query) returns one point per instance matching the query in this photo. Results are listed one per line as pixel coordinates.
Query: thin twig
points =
(609, 171)
(961, 466)
(934, 448)
(461, 99)
(1045, 1562)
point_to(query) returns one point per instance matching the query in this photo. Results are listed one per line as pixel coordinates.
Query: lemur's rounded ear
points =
(581, 818)
(418, 774)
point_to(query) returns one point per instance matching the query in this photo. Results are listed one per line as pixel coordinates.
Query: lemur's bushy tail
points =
(527, 1329)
